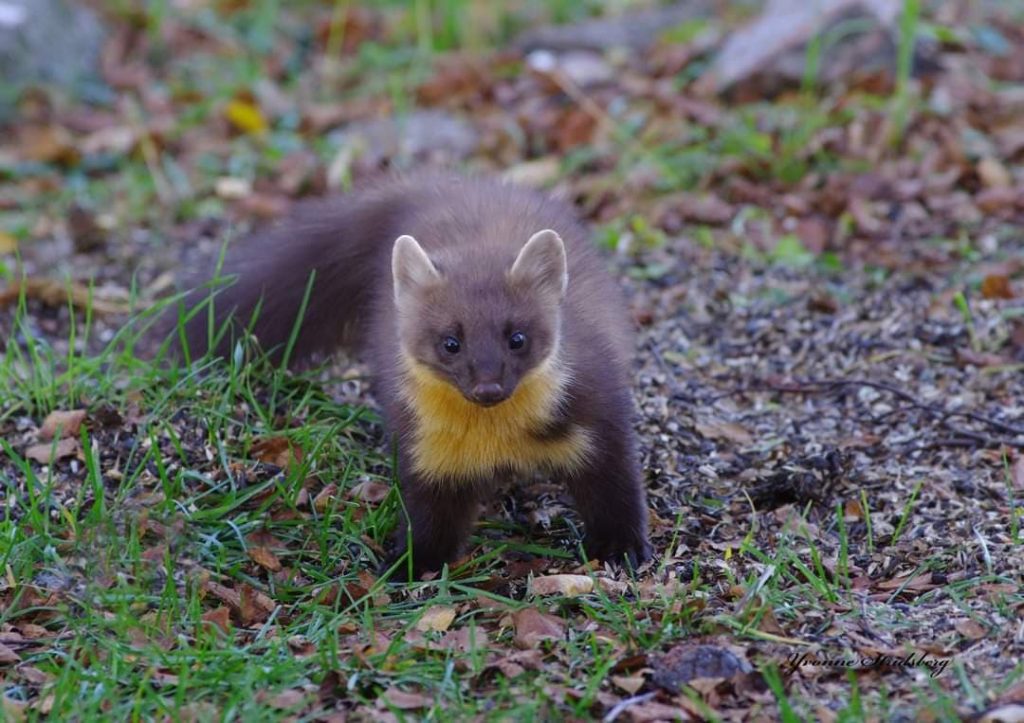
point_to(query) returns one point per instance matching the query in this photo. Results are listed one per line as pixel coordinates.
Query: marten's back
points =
(472, 227)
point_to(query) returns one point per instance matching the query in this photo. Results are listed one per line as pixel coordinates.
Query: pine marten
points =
(498, 343)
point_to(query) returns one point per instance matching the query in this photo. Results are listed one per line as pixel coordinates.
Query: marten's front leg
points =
(438, 519)
(610, 498)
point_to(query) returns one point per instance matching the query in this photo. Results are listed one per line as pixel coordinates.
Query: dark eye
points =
(517, 340)
(451, 345)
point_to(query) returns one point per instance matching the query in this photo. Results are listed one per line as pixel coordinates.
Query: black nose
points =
(488, 393)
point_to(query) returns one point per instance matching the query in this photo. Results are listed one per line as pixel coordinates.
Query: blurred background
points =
(794, 132)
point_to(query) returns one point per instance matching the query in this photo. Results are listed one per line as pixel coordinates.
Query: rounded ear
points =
(411, 268)
(542, 264)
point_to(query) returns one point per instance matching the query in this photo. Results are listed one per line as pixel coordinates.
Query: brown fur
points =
(472, 229)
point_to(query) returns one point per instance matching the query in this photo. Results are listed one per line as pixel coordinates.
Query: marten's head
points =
(481, 322)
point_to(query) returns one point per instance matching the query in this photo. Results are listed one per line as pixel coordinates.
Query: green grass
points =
(115, 557)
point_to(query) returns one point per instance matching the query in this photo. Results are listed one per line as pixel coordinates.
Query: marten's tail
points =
(311, 276)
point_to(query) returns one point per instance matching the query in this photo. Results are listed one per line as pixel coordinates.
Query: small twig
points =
(622, 705)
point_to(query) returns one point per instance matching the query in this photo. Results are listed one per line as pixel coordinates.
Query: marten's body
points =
(491, 355)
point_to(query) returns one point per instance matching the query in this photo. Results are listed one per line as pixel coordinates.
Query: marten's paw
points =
(629, 550)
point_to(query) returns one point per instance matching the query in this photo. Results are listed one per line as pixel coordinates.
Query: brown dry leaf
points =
(369, 491)
(55, 293)
(464, 640)
(325, 497)
(981, 359)
(223, 593)
(68, 423)
(575, 128)
(996, 286)
(458, 77)
(31, 631)
(219, 616)
(34, 675)
(1010, 713)
(534, 627)
(13, 710)
(86, 230)
(253, 605)
(567, 585)
(287, 699)
(918, 583)
(970, 629)
(628, 683)
(404, 700)
(43, 453)
(993, 200)
(613, 587)
(654, 711)
(853, 511)
(278, 451)
(437, 617)
(8, 656)
(232, 188)
(265, 558)
(47, 144)
(1017, 473)
(993, 173)
(725, 431)
(700, 209)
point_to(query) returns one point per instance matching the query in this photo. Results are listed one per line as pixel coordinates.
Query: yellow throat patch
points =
(455, 438)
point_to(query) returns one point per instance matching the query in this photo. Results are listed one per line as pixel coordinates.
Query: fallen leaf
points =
(231, 188)
(265, 558)
(55, 293)
(1012, 713)
(369, 491)
(534, 627)
(8, 656)
(287, 699)
(970, 629)
(47, 452)
(253, 605)
(1000, 198)
(325, 497)
(219, 616)
(245, 116)
(67, 423)
(981, 359)
(917, 583)
(697, 209)
(278, 451)
(33, 675)
(993, 173)
(567, 585)
(404, 700)
(47, 144)
(437, 617)
(628, 683)
(996, 286)
(726, 431)
(8, 243)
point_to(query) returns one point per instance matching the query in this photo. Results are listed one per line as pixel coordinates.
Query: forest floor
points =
(827, 275)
